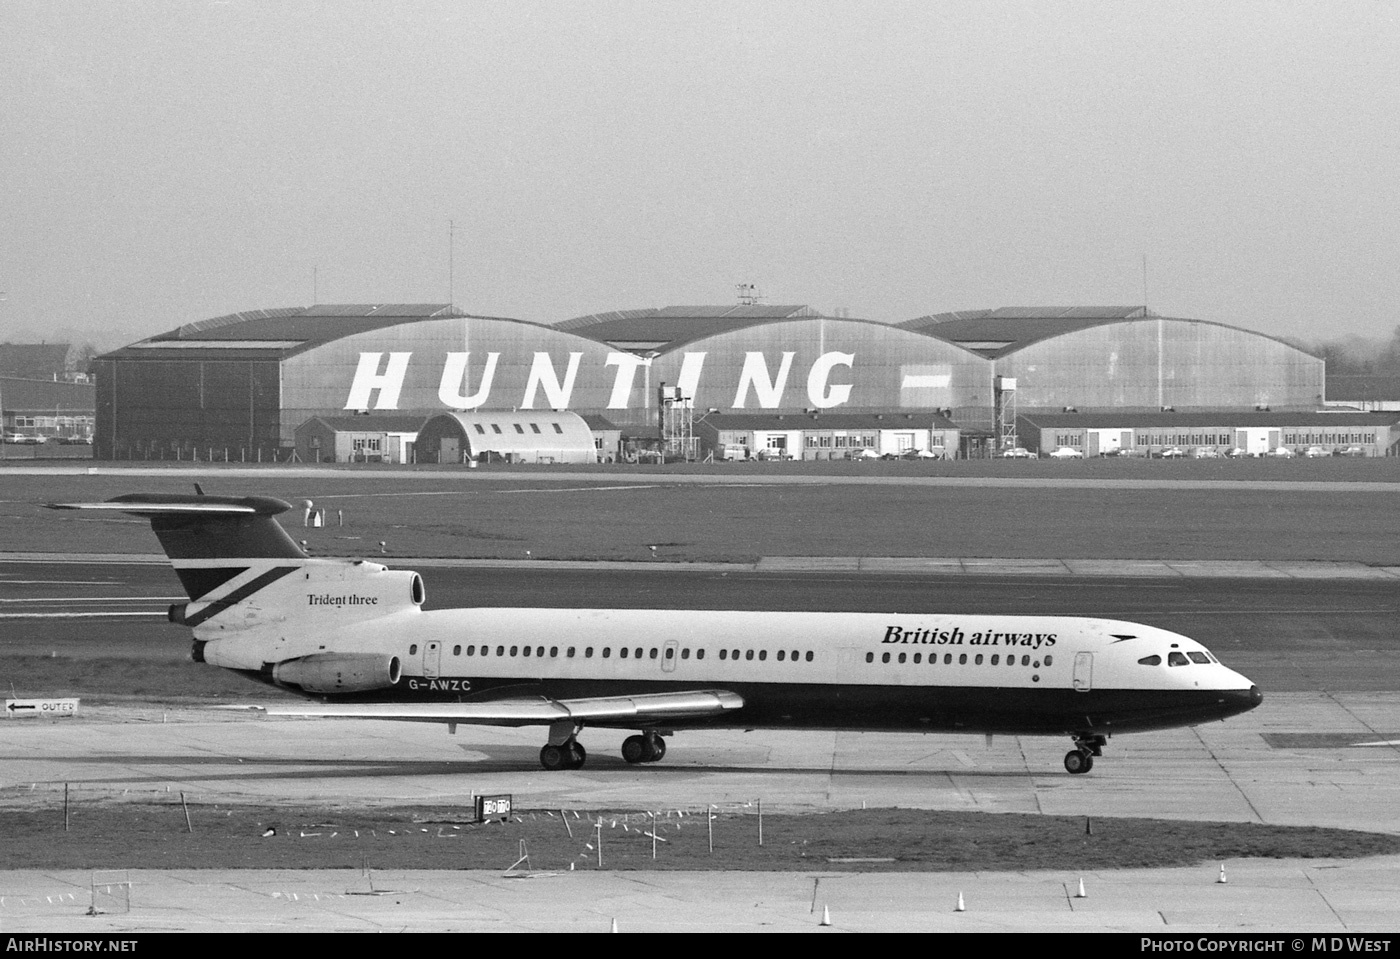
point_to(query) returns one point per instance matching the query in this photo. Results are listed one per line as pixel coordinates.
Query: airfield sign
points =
(53, 708)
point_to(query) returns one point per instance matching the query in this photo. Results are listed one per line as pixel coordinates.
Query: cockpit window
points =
(1197, 657)
(1150, 661)
(1177, 659)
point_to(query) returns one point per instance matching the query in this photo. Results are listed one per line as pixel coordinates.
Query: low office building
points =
(826, 436)
(1258, 433)
(358, 439)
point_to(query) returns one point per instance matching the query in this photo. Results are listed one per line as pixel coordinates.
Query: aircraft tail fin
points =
(212, 540)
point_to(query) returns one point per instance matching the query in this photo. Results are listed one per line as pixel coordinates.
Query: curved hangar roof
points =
(1126, 357)
(283, 332)
(995, 333)
(658, 330)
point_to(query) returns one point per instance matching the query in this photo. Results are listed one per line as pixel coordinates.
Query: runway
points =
(1321, 751)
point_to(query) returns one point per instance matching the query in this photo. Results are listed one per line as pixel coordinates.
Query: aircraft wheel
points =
(656, 749)
(577, 756)
(554, 757)
(634, 749)
(1077, 762)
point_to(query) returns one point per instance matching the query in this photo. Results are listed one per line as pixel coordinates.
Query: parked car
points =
(1352, 451)
(1207, 453)
(1172, 453)
(865, 453)
(26, 439)
(1312, 452)
(1066, 453)
(1018, 453)
(1236, 453)
(75, 440)
(1282, 452)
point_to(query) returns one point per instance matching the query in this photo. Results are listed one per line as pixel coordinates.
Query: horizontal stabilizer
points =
(208, 538)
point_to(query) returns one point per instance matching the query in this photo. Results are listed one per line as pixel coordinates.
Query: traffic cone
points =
(1081, 894)
(826, 915)
(614, 926)
(962, 906)
(1222, 878)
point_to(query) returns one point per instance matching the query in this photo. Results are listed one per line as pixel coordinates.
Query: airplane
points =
(353, 636)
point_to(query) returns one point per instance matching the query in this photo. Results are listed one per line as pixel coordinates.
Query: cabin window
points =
(638, 653)
(671, 653)
(809, 655)
(733, 654)
(456, 650)
(557, 428)
(480, 429)
(570, 652)
(996, 660)
(588, 652)
(653, 652)
(748, 654)
(1025, 660)
(1176, 659)
(947, 658)
(699, 654)
(496, 428)
(500, 650)
(762, 655)
(962, 660)
(535, 427)
(978, 660)
(413, 649)
(918, 658)
(527, 651)
(870, 657)
(902, 657)
(520, 429)
(685, 653)
(1049, 660)
(782, 655)
(622, 652)
(607, 652)
(794, 655)
(885, 658)
(553, 652)
(515, 650)
(724, 654)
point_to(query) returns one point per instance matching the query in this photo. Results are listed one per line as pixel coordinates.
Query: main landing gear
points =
(571, 755)
(1080, 759)
(568, 752)
(647, 748)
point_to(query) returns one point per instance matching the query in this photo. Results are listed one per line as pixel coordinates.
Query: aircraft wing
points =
(629, 711)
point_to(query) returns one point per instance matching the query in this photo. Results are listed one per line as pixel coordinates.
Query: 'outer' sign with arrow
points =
(19, 708)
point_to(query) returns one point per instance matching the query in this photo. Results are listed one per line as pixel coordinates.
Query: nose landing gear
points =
(1080, 759)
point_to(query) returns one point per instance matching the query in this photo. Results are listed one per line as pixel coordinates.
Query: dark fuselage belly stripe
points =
(865, 707)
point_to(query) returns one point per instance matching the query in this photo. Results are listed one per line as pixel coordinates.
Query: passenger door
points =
(1083, 672)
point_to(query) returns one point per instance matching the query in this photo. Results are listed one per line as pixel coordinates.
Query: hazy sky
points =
(168, 162)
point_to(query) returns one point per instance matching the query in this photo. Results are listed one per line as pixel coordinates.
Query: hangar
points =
(1129, 358)
(245, 382)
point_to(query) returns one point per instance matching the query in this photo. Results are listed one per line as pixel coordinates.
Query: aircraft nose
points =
(1247, 699)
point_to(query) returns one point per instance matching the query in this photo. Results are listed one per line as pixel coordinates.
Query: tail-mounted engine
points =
(339, 672)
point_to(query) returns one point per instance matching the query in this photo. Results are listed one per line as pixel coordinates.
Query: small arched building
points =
(520, 436)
